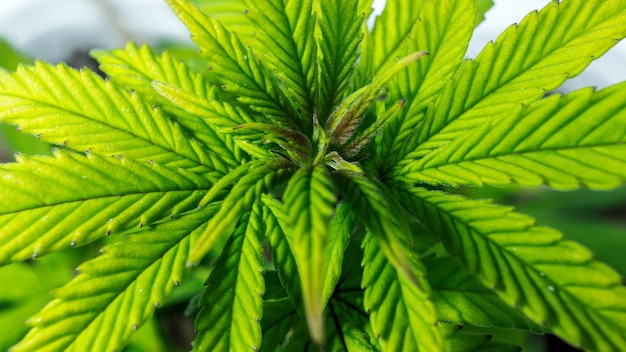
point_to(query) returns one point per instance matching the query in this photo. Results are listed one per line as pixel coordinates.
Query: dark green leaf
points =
(555, 282)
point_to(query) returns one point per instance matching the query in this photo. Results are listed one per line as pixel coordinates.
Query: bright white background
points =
(54, 29)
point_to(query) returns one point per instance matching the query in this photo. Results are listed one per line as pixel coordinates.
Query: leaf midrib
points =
(43, 206)
(166, 148)
(518, 153)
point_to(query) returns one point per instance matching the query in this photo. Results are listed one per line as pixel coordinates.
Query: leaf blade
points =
(521, 62)
(118, 291)
(238, 201)
(391, 28)
(443, 29)
(309, 200)
(137, 67)
(288, 28)
(461, 298)
(43, 198)
(400, 311)
(338, 37)
(235, 64)
(279, 236)
(553, 281)
(69, 107)
(565, 142)
(232, 304)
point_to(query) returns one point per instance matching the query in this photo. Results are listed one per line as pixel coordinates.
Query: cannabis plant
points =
(313, 165)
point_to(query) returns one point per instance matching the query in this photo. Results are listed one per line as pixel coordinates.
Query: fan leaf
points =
(117, 292)
(555, 282)
(67, 107)
(483, 8)
(443, 30)
(391, 29)
(349, 325)
(458, 340)
(338, 38)
(349, 329)
(565, 142)
(309, 200)
(138, 67)
(288, 28)
(280, 237)
(279, 317)
(236, 65)
(232, 14)
(526, 61)
(461, 298)
(49, 203)
(368, 197)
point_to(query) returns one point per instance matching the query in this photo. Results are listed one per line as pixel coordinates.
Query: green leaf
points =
(443, 30)
(232, 304)
(520, 67)
(349, 329)
(555, 282)
(364, 70)
(401, 312)
(349, 326)
(458, 340)
(138, 67)
(279, 317)
(392, 28)
(118, 291)
(299, 341)
(309, 200)
(341, 227)
(232, 13)
(483, 7)
(221, 116)
(565, 142)
(67, 107)
(49, 203)
(215, 113)
(338, 37)
(583, 212)
(279, 236)
(287, 27)
(242, 74)
(366, 8)
(238, 201)
(461, 298)
(368, 197)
